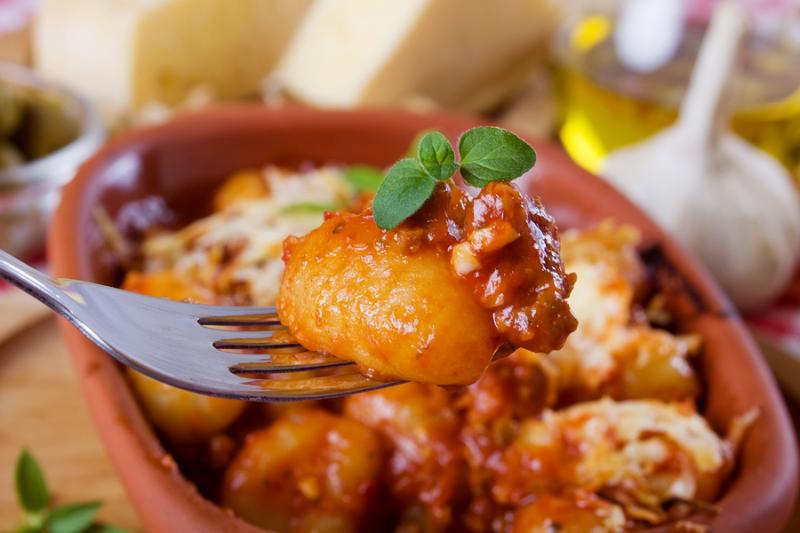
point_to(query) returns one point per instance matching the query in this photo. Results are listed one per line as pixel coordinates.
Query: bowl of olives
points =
(46, 132)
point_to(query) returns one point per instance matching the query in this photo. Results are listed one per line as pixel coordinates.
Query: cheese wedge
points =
(124, 54)
(467, 54)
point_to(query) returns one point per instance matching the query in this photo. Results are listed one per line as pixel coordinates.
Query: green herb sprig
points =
(310, 208)
(34, 499)
(363, 178)
(487, 154)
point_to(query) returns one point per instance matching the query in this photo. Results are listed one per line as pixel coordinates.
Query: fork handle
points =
(31, 281)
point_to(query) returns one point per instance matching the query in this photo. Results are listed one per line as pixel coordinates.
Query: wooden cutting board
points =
(41, 408)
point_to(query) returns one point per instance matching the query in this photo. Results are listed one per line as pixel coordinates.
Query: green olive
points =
(46, 126)
(12, 107)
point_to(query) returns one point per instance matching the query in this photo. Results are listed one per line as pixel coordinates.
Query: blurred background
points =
(595, 76)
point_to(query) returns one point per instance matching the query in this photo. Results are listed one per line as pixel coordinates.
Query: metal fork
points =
(184, 345)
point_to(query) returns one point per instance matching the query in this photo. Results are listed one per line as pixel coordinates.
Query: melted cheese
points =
(619, 442)
(249, 233)
(608, 271)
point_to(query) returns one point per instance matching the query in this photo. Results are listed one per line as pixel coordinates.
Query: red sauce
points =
(520, 276)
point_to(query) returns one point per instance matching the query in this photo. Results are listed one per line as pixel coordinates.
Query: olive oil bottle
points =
(606, 106)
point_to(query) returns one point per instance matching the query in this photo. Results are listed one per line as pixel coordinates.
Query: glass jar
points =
(607, 105)
(30, 191)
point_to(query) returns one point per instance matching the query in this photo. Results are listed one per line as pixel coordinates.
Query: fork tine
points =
(289, 363)
(270, 319)
(315, 388)
(162, 339)
(255, 343)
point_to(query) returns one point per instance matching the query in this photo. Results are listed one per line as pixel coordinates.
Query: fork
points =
(192, 346)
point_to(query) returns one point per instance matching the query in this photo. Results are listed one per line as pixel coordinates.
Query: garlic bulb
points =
(732, 205)
(648, 33)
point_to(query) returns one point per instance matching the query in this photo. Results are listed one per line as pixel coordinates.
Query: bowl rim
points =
(152, 478)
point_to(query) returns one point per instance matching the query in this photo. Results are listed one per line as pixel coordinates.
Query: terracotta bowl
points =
(173, 168)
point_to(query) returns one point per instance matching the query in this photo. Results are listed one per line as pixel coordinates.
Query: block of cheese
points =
(124, 54)
(465, 54)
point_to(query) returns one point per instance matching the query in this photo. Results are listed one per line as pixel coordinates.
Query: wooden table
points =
(41, 408)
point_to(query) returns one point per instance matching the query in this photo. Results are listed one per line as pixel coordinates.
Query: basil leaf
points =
(30, 484)
(73, 518)
(403, 191)
(437, 156)
(308, 208)
(493, 154)
(364, 178)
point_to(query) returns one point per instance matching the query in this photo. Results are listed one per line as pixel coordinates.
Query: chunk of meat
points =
(522, 280)
(425, 466)
(310, 471)
(431, 300)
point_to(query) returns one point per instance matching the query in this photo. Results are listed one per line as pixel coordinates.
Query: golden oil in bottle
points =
(606, 106)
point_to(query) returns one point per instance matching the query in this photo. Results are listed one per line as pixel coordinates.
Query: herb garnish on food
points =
(40, 517)
(487, 154)
(304, 208)
(363, 178)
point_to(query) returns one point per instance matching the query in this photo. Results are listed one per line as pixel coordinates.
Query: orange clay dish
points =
(602, 434)
(432, 298)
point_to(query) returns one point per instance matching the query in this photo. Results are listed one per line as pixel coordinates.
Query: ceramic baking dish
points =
(173, 168)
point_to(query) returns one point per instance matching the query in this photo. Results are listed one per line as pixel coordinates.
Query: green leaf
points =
(437, 156)
(402, 193)
(27, 528)
(493, 154)
(72, 518)
(364, 178)
(413, 148)
(308, 207)
(30, 484)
